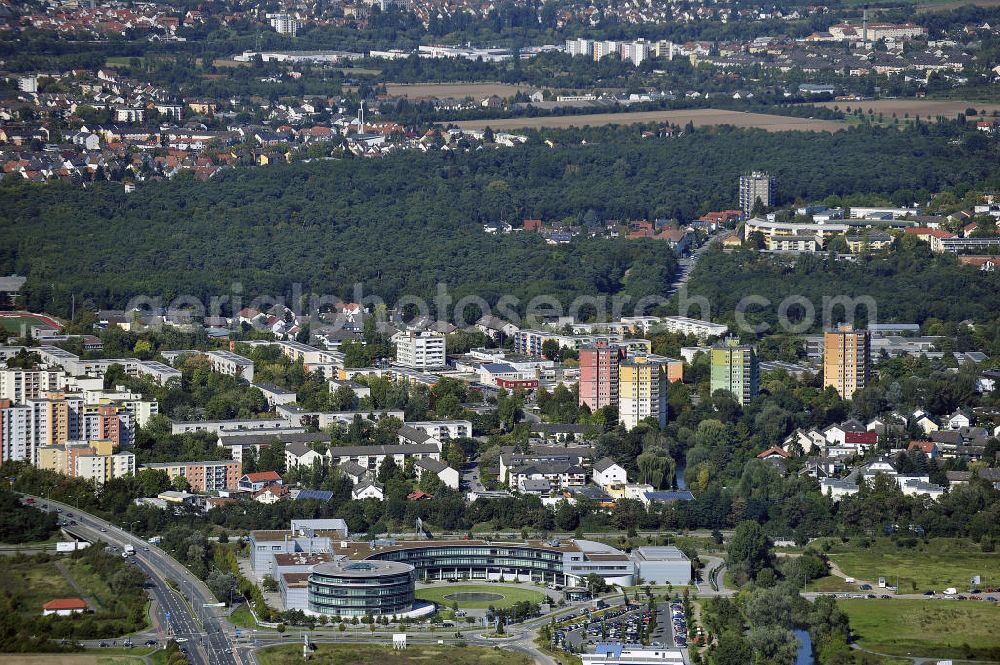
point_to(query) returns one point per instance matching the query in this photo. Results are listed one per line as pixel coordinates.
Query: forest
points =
(908, 285)
(405, 223)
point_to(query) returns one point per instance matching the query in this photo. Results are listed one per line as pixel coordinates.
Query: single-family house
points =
(255, 482)
(607, 472)
(368, 489)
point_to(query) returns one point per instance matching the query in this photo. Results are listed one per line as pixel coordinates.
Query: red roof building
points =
(869, 438)
(774, 451)
(64, 606)
(928, 448)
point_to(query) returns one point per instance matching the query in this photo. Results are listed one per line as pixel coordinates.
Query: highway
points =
(182, 613)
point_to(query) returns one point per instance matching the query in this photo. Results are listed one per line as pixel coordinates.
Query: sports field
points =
(12, 321)
(926, 628)
(479, 596)
(700, 118)
(363, 654)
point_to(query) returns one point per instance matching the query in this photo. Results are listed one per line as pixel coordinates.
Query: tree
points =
(387, 470)
(550, 349)
(749, 549)
(272, 457)
(456, 457)
(181, 484)
(731, 649)
(222, 585)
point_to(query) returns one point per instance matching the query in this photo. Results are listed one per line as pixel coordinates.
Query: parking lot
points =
(628, 626)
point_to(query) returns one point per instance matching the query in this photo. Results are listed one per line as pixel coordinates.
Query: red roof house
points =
(64, 606)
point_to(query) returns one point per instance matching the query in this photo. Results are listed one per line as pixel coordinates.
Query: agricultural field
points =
(453, 90)
(931, 566)
(949, 5)
(700, 118)
(925, 108)
(926, 628)
(358, 654)
(479, 596)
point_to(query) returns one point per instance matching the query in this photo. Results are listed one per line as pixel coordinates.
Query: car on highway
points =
(151, 643)
(103, 530)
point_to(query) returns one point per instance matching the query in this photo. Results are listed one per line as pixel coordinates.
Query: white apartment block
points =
(102, 468)
(15, 440)
(231, 364)
(444, 429)
(635, 52)
(699, 328)
(157, 371)
(284, 24)
(254, 426)
(19, 385)
(420, 349)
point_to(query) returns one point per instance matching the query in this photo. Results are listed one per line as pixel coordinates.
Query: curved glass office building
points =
(476, 560)
(358, 588)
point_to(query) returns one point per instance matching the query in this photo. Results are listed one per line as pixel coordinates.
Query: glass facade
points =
(479, 561)
(361, 588)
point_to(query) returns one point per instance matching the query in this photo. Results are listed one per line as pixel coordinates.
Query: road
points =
(686, 265)
(182, 613)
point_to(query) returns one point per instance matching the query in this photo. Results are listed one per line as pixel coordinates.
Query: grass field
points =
(933, 629)
(927, 109)
(363, 654)
(510, 595)
(37, 583)
(455, 90)
(700, 117)
(242, 618)
(67, 659)
(941, 563)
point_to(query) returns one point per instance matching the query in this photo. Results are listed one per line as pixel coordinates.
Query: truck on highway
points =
(155, 540)
(950, 591)
(128, 550)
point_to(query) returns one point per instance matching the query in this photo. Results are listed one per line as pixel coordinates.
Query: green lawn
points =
(927, 628)
(934, 566)
(510, 595)
(831, 583)
(363, 654)
(242, 618)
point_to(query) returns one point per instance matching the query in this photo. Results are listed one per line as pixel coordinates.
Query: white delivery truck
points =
(128, 550)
